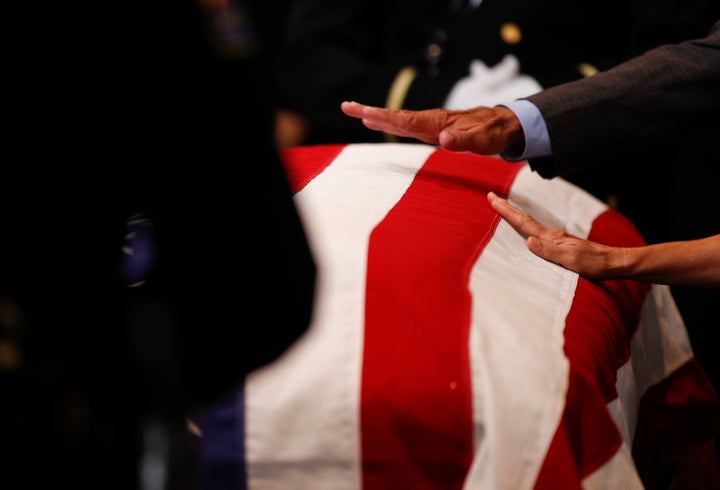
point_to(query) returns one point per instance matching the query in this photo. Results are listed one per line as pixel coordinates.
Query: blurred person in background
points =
(151, 255)
(406, 54)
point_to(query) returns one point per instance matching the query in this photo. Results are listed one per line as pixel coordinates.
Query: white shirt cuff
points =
(537, 139)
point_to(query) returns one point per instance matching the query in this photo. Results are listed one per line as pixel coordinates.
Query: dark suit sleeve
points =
(664, 95)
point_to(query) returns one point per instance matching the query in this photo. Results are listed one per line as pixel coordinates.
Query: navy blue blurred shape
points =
(138, 250)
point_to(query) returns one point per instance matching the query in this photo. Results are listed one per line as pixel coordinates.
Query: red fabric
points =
(304, 163)
(416, 355)
(676, 423)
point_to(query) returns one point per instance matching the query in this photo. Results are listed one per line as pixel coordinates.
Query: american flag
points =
(443, 354)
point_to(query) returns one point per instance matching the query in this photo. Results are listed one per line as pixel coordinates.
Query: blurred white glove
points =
(491, 86)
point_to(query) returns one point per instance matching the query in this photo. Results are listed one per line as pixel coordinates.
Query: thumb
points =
(464, 141)
(474, 141)
(450, 140)
(540, 248)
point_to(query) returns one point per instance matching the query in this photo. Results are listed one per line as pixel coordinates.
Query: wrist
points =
(512, 131)
(533, 140)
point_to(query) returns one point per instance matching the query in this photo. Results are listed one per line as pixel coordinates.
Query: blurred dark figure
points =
(144, 125)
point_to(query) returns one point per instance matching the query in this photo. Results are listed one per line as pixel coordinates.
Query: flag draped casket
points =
(443, 354)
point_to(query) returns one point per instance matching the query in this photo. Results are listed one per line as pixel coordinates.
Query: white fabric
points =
(490, 86)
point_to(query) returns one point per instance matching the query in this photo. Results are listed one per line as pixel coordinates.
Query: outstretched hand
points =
(587, 258)
(481, 130)
(687, 262)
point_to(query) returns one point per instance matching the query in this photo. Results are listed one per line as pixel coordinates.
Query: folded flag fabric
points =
(444, 355)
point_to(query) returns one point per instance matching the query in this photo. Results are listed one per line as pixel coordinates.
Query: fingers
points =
(587, 258)
(522, 222)
(376, 114)
(420, 125)
(352, 109)
(372, 117)
(390, 121)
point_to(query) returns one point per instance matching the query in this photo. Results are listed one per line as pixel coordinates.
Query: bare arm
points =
(686, 263)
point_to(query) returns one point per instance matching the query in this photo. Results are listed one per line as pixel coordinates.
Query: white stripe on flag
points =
(525, 304)
(312, 430)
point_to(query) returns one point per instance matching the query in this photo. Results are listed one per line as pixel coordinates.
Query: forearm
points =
(691, 262)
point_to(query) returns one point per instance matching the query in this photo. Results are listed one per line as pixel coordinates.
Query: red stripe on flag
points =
(304, 163)
(416, 399)
(679, 428)
(598, 333)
